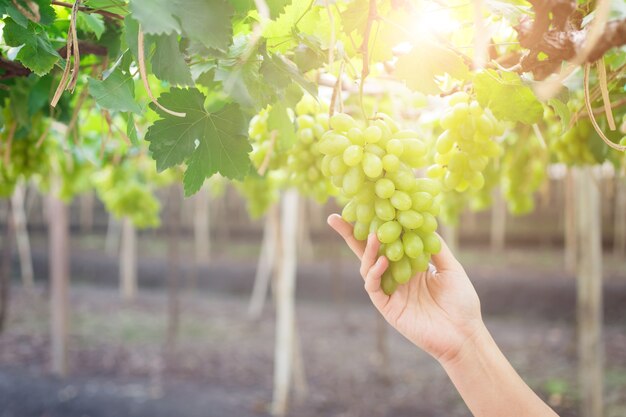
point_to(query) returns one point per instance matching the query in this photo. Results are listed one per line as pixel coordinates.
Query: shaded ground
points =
(222, 365)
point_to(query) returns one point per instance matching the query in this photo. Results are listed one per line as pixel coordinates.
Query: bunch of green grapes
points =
(125, 193)
(464, 148)
(482, 199)
(263, 142)
(373, 168)
(573, 147)
(259, 192)
(523, 171)
(304, 160)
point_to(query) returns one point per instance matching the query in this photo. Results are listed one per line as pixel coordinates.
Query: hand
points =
(439, 310)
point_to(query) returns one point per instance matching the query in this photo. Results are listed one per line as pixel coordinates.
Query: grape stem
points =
(605, 92)
(593, 118)
(336, 92)
(87, 9)
(9, 142)
(371, 16)
(268, 155)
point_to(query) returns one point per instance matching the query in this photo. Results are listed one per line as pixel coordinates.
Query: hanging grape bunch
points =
(523, 171)
(264, 155)
(304, 160)
(465, 147)
(373, 167)
(572, 147)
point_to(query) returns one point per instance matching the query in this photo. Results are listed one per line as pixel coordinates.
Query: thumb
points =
(445, 260)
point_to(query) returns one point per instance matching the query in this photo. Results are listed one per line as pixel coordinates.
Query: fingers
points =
(372, 282)
(369, 254)
(445, 260)
(345, 230)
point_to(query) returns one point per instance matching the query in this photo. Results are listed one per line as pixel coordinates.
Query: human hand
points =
(439, 310)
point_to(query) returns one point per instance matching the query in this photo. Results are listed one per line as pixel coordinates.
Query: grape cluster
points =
(482, 199)
(125, 193)
(464, 148)
(373, 168)
(304, 159)
(523, 171)
(263, 142)
(572, 147)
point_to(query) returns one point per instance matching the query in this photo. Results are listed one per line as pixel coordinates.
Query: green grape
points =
(524, 168)
(353, 155)
(410, 219)
(574, 146)
(374, 167)
(389, 231)
(385, 188)
(466, 144)
(394, 251)
(401, 200)
(387, 283)
(401, 270)
(413, 245)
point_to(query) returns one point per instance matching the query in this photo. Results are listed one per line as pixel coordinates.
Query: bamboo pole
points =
(59, 283)
(498, 223)
(86, 201)
(589, 294)
(619, 231)
(570, 223)
(285, 309)
(21, 235)
(128, 260)
(265, 265)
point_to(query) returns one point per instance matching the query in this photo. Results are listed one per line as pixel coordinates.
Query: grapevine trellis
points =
(406, 112)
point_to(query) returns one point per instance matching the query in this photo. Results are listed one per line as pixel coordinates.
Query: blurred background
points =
(171, 326)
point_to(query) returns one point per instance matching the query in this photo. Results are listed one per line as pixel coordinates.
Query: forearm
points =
(488, 383)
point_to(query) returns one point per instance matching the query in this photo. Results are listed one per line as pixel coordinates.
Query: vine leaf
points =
(208, 141)
(116, 92)
(507, 97)
(278, 120)
(562, 111)
(168, 63)
(89, 22)
(206, 21)
(426, 61)
(36, 53)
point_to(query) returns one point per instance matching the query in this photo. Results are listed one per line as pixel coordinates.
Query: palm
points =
(431, 308)
(434, 310)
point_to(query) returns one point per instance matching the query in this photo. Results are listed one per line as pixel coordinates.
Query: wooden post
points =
(589, 294)
(86, 201)
(619, 231)
(570, 223)
(265, 265)
(21, 235)
(59, 282)
(285, 294)
(498, 222)
(174, 225)
(202, 227)
(5, 269)
(128, 261)
(112, 240)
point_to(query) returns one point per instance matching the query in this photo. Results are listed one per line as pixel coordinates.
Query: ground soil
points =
(222, 363)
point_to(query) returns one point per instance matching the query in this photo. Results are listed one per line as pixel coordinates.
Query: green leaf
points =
(209, 142)
(113, 6)
(507, 97)
(91, 22)
(37, 53)
(426, 61)
(354, 18)
(279, 71)
(156, 16)
(131, 129)
(44, 11)
(116, 92)
(562, 111)
(206, 21)
(278, 119)
(168, 63)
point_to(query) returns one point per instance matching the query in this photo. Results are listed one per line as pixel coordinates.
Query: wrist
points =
(473, 341)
